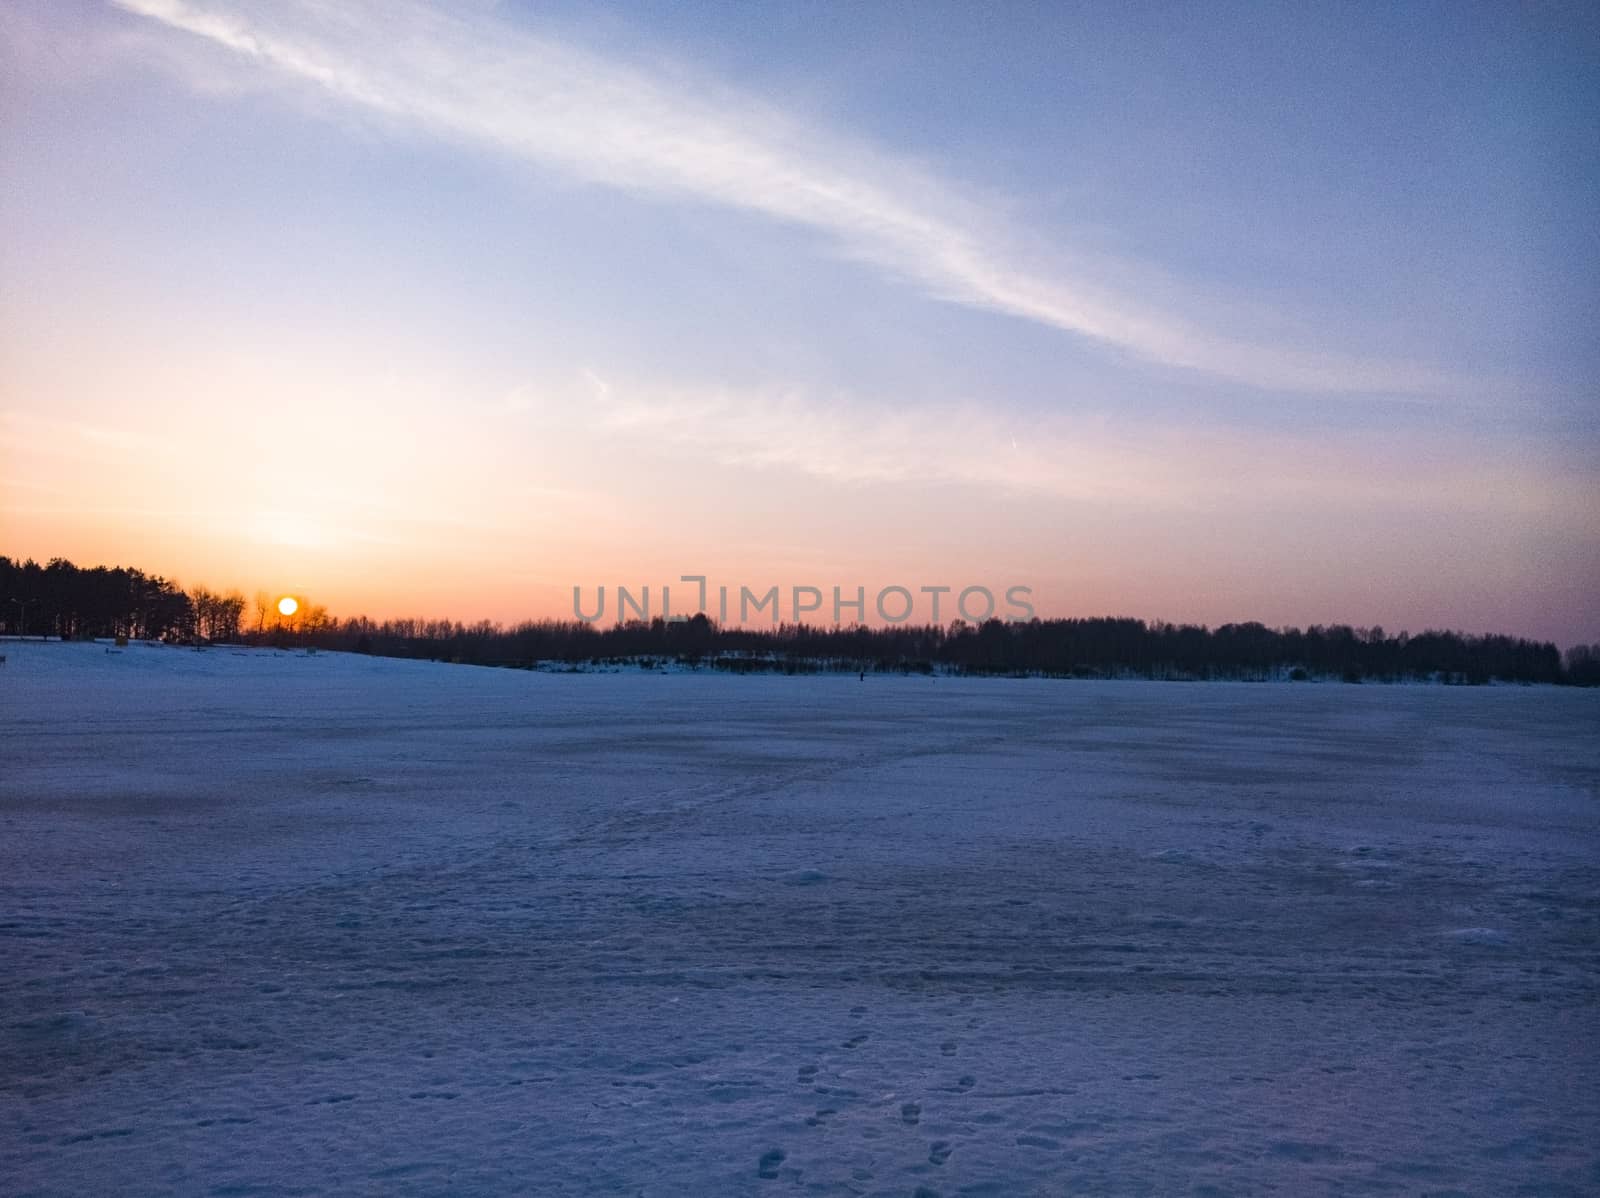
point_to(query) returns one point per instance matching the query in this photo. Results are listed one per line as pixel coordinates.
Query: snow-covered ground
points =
(277, 924)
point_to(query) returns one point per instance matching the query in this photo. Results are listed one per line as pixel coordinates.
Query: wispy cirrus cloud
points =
(467, 75)
(1077, 460)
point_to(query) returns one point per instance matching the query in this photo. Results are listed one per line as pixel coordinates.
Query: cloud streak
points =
(842, 439)
(475, 79)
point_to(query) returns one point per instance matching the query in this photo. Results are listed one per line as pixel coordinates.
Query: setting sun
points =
(288, 605)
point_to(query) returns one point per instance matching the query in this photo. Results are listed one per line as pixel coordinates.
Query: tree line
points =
(63, 600)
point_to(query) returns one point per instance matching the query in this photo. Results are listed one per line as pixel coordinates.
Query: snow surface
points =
(280, 924)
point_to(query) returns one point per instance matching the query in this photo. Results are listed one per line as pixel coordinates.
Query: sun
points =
(288, 605)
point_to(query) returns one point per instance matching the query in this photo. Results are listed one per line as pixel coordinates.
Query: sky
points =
(1198, 313)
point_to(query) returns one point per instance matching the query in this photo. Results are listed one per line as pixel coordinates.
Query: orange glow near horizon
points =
(499, 516)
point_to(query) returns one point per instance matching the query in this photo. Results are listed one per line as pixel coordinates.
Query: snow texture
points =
(278, 924)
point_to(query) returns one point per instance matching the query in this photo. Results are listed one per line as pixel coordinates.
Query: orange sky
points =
(407, 337)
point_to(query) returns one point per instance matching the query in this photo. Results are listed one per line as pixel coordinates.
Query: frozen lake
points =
(276, 924)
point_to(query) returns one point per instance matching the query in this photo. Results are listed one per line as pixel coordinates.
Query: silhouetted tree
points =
(59, 599)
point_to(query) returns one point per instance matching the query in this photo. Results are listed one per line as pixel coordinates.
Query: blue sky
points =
(1195, 313)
